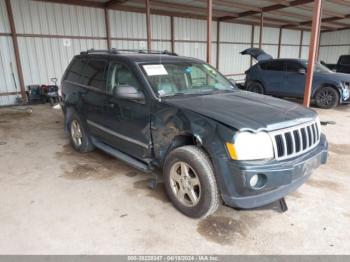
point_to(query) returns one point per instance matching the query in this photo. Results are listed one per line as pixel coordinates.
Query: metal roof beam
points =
(268, 9)
(114, 3)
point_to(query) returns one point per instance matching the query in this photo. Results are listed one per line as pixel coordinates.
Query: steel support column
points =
(16, 50)
(301, 42)
(217, 44)
(209, 28)
(108, 29)
(252, 43)
(148, 24)
(279, 42)
(261, 29)
(312, 50)
(172, 34)
(319, 35)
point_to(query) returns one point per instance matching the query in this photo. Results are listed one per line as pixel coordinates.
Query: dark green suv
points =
(212, 142)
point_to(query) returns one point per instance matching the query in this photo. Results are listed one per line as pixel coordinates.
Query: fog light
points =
(253, 180)
(257, 181)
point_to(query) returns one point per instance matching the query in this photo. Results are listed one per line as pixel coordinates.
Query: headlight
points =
(250, 146)
(346, 85)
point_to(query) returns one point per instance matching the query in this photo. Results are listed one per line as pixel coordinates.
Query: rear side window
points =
(94, 74)
(344, 60)
(293, 66)
(273, 66)
(75, 70)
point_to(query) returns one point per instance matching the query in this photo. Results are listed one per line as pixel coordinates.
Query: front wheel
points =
(327, 97)
(190, 182)
(256, 88)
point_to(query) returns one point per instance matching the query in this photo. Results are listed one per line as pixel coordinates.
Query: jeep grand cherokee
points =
(213, 142)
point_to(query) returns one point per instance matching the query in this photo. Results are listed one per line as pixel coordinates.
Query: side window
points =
(277, 66)
(75, 70)
(94, 74)
(344, 60)
(293, 66)
(120, 75)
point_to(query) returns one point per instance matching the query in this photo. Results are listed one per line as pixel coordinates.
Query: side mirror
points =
(302, 71)
(129, 92)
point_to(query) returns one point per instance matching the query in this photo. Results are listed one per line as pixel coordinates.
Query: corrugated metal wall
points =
(50, 34)
(8, 70)
(190, 37)
(69, 29)
(334, 44)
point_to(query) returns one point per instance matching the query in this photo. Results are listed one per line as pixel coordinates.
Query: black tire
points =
(327, 97)
(86, 145)
(200, 164)
(256, 87)
(52, 101)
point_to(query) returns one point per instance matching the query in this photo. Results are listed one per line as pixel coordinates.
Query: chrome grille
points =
(296, 140)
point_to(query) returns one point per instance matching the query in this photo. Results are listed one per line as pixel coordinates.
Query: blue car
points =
(286, 78)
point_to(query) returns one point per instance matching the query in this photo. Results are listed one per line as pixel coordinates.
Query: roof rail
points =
(119, 51)
(90, 51)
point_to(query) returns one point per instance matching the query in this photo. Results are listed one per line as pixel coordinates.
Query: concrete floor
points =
(56, 201)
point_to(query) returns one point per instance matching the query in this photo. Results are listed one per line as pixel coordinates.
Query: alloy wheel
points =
(185, 184)
(76, 133)
(327, 97)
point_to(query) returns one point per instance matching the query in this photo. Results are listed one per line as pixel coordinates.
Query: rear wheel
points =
(327, 97)
(79, 137)
(190, 182)
(256, 88)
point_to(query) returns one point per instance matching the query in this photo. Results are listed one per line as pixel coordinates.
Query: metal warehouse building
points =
(49, 33)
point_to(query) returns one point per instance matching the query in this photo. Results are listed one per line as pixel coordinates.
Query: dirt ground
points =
(56, 201)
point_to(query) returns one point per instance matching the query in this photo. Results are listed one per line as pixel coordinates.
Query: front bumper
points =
(282, 177)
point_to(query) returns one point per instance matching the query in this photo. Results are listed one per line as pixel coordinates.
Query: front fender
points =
(168, 123)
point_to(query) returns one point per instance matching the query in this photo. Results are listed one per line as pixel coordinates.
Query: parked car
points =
(342, 66)
(212, 141)
(286, 78)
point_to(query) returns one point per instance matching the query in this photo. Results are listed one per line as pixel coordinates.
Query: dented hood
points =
(246, 110)
(257, 53)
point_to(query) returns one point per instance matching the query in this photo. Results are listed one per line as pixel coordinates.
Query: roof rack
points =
(119, 51)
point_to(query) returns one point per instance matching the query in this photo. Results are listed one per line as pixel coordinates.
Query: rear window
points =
(273, 66)
(94, 74)
(74, 71)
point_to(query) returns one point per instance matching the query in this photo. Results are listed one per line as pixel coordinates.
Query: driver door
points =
(127, 124)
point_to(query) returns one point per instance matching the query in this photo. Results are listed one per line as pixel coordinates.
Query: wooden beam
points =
(312, 51)
(16, 50)
(148, 24)
(209, 28)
